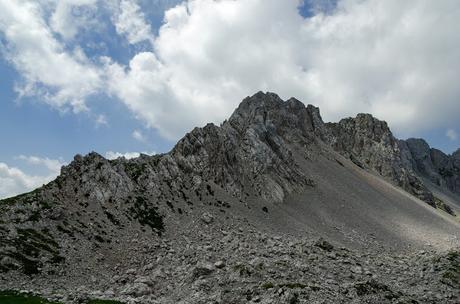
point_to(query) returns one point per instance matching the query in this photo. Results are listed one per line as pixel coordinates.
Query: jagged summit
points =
(257, 143)
(269, 109)
(254, 142)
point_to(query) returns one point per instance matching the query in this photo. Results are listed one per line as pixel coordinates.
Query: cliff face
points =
(434, 165)
(249, 154)
(370, 144)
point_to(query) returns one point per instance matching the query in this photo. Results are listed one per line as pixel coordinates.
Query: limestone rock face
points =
(421, 158)
(249, 153)
(370, 144)
(434, 165)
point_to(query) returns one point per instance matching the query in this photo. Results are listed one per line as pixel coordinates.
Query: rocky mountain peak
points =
(256, 144)
(366, 139)
(251, 145)
(274, 171)
(369, 143)
(367, 126)
(419, 148)
(268, 112)
(80, 163)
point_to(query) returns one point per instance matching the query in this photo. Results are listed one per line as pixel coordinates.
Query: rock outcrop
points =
(369, 143)
(249, 154)
(434, 165)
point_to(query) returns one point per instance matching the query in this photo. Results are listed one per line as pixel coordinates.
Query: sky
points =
(123, 77)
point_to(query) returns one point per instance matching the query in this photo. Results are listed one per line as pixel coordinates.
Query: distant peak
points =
(267, 102)
(417, 141)
(259, 99)
(456, 154)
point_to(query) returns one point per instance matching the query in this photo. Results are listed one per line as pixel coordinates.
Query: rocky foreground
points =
(230, 264)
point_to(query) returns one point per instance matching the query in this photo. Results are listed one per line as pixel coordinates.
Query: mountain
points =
(272, 206)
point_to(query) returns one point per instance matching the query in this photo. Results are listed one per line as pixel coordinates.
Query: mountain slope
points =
(274, 169)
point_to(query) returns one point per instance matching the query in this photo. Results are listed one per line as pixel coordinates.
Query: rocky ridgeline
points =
(139, 229)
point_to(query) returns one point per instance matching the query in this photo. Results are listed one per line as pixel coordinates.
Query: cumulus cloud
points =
(130, 22)
(399, 60)
(53, 165)
(127, 155)
(137, 135)
(70, 16)
(61, 78)
(101, 120)
(14, 181)
(452, 134)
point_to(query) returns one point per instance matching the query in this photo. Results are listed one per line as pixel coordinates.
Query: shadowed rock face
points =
(249, 153)
(273, 166)
(434, 165)
(369, 143)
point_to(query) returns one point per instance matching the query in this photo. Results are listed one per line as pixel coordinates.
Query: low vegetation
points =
(147, 214)
(451, 275)
(14, 297)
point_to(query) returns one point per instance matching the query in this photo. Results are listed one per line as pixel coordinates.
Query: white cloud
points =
(70, 16)
(137, 135)
(452, 134)
(127, 155)
(14, 181)
(101, 120)
(397, 60)
(53, 165)
(61, 78)
(130, 22)
(144, 90)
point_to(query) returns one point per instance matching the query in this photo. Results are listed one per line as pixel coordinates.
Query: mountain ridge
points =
(371, 128)
(273, 171)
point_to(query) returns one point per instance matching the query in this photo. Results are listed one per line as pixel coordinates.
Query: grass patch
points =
(440, 204)
(147, 214)
(30, 246)
(25, 198)
(104, 302)
(25, 201)
(135, 170)
(13, 297)
(451, 275)
(267, 285)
